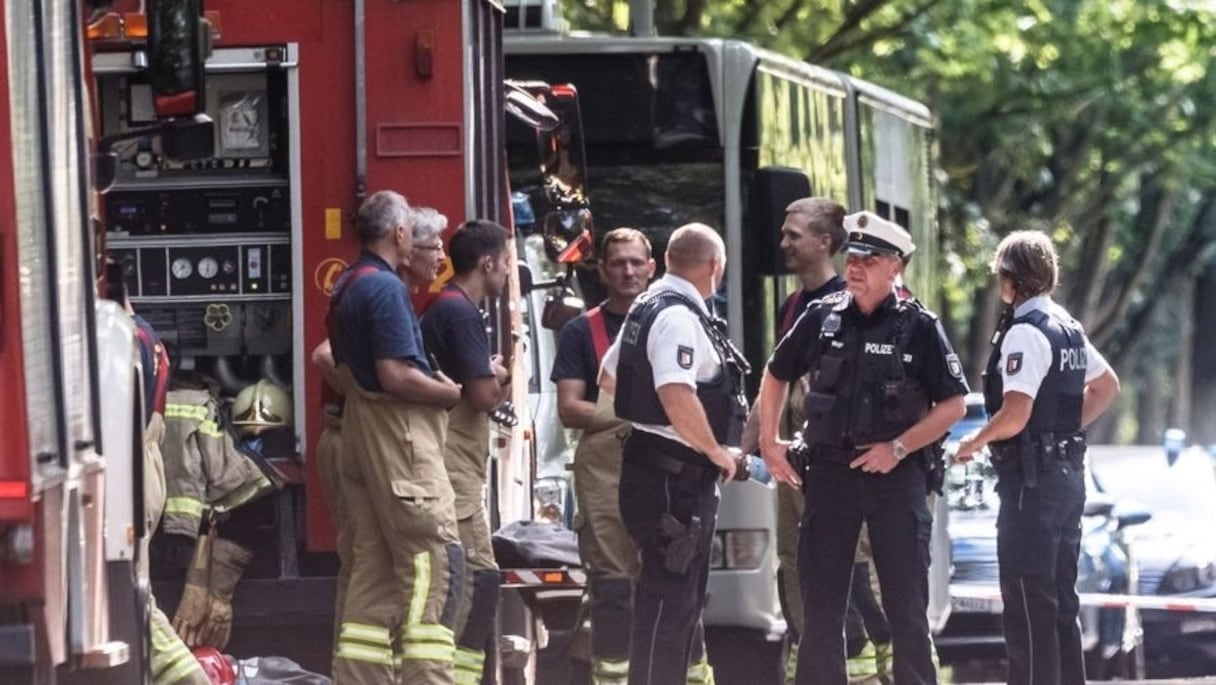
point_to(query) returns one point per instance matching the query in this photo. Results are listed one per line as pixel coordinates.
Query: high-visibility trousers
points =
(398, 497)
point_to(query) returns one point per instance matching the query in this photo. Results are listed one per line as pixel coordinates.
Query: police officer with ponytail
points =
(885, 386)
(1043, 385)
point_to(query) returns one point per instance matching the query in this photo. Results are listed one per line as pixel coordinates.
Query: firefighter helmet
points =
(261, 406)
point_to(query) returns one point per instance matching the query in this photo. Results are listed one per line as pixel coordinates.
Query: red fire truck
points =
(231, 256)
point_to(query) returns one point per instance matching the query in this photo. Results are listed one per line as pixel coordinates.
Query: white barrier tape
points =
(988, 599)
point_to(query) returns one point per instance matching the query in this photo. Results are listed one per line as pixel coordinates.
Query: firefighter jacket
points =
(204, 469)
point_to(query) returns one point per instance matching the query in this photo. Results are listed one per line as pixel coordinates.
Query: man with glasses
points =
(885, 384)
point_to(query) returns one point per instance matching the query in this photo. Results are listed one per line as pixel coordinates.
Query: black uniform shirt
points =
(929, 358)
(576, 358)
(454, 330)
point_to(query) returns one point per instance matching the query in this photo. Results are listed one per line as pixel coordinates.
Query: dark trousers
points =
(1038, 542)
(666, 605)
(893, 506)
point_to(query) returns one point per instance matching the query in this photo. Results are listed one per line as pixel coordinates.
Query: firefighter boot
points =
(192, 610)
(228, 562)
(478, 630)
(611, 617)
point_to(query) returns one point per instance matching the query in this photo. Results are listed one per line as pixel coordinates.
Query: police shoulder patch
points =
(684, 356)
(954, 366)
(1013, 364)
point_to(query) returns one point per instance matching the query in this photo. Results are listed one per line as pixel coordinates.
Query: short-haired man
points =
(679, 382)
(455, 332)
(885, 384)
(1045, 382)
(393, 408)
(607, 552)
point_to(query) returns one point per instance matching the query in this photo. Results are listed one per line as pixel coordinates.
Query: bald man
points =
(679, 382)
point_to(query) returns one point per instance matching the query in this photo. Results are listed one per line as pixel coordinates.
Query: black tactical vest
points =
(1057, 405)
(860, 391)
(636, 398)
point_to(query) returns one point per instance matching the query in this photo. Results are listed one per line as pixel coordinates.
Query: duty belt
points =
(1049, 446)
(836, 455)
(665, 454)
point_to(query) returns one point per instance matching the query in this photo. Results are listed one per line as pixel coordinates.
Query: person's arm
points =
(572, 409)
(323, 358)
(688, 419)
(773, 392)
(1007, 422)
(1099, 394)
(484, 393)
(407, 383)
(1025, 360)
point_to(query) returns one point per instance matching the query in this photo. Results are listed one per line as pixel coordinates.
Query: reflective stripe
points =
(429, 632)
(376, 635)
(700, 673)
(469, 666)
(188, 665)
(186, 411)
(184, 506)
(791, 664)
(864, 665)
(210, 428)
(430, 652)
(358, 652)
(244, 494)
(422, 586)
(611, 667)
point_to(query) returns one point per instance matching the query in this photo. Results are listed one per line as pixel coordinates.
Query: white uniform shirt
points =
(678, 348)
(1026, 372)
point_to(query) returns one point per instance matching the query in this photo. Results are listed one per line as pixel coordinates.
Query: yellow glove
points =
(228, 562)
(195, 604)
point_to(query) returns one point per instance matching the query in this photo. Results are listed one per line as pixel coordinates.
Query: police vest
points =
(1057, 405)
(636, 398)
(860, 391)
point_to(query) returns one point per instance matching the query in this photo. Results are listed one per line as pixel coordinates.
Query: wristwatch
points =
(898, 448)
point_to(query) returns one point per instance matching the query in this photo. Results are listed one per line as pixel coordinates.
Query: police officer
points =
(678, 380)
(394, 484)
(884, 386)
(454, 329)
(1043, 385)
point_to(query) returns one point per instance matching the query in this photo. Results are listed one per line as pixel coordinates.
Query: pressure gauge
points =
(144, 159)
(181, 268)
(229, 267)
(207, 267)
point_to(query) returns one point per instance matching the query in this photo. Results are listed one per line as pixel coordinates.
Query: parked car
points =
(1176, 550)
(1112, 638)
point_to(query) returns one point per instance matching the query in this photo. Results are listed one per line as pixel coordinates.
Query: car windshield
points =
(1186, 489)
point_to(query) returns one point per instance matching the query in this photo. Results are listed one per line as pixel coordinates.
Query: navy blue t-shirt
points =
(151, 358)
(576, 358)
(787, 316)
(374, 319)
(454, 330)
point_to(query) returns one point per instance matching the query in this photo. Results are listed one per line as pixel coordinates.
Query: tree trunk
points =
(1202, 374)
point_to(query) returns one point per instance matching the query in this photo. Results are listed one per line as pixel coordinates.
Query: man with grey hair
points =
(393, 483)
(679, 382)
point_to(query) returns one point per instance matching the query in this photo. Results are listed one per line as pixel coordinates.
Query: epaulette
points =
(838, 300)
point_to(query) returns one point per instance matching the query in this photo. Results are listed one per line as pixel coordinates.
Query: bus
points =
(726, 133)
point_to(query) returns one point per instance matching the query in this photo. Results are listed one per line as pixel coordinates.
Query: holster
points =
(798, 454)
(934, 456)
(682, 542)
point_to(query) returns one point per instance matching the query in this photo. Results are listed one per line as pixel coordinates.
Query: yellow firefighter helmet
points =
(261, 406)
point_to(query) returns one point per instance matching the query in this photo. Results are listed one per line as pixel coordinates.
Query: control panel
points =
(206, 246)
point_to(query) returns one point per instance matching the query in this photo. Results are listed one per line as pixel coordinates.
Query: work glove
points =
(195, 604)
(228, 562)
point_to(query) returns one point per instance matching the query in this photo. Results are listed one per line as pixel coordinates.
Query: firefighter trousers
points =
(605, 548)
(329, 464)
(468, 447)
(398, 499)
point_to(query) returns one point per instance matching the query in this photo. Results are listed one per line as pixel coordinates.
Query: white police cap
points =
(872, 234)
